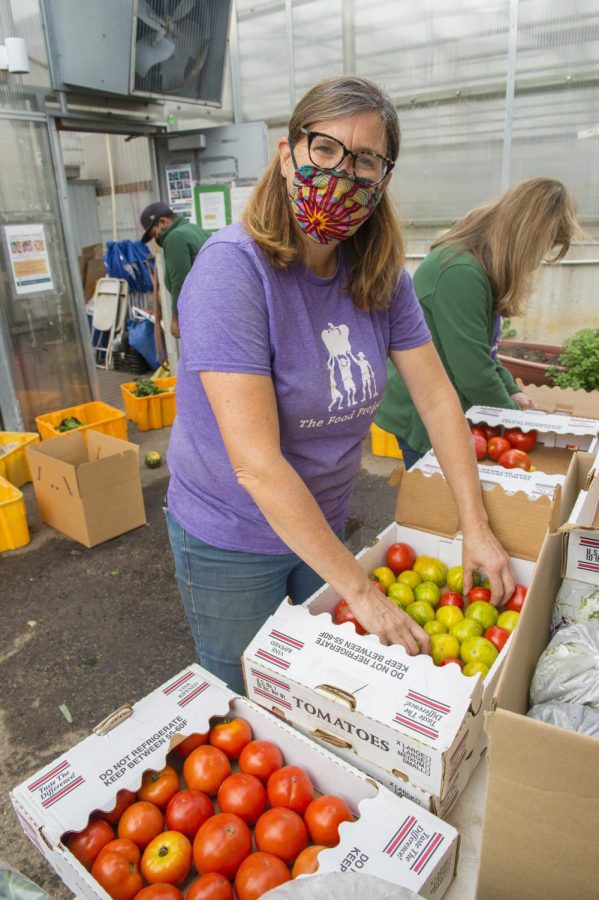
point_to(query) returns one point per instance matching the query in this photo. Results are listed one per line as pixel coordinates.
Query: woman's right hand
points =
(379, 615)
(523, 401)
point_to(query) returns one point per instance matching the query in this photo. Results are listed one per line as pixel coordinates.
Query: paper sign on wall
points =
(28, 255)
(213, 206)
(179, 183)
(240, 194)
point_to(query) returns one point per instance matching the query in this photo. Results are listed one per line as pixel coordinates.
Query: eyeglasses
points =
(328, 153)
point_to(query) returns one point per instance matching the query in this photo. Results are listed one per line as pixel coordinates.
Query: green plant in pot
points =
(580, 359)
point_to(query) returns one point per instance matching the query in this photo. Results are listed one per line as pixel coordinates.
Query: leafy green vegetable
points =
(145, 387)
(69, 423)
(580, 357)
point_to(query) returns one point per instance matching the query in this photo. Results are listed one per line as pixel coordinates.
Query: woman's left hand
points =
(483, 553)
(523, 401)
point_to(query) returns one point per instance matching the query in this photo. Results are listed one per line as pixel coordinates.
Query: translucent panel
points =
(317, 43)
(263, 59)
(22, 18)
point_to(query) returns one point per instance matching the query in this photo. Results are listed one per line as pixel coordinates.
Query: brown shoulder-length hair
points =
(376, 252)
(511, 237)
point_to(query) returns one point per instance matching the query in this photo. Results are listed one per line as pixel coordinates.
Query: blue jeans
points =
(228, 595)
(410, 456)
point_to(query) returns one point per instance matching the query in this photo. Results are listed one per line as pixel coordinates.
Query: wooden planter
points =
(528, 371)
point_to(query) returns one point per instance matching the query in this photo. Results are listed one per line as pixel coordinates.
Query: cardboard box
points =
(95, 269)
(93, 251)
(88, 489)
(565, 401)
(580, 552)
(392, 838)
(554, 432)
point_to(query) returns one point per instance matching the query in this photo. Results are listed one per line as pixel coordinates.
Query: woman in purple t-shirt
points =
(286, 325)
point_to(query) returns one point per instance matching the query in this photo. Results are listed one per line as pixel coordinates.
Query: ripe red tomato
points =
(478, 431)
(158, 787)
(290, 787)
(260, 758)
(400, 557)
(221, 845)
(119, 876)
(205, 769)
(515, 459)
(231, 736)
(307, 861)
(187, 811)
(243, 795)
(125, 847)
(516, 601)
(159, 892)
(124, 798)
(259, 873)
(521, 440)
(167, 859)
(379, 585)
(141, 822)
(190, 743)
(479, 593)
(342, 613)
(480, 446)
(85, 845)
(281, 832)
(210, 887)
(451, 659)
(492, 431)
(323, 818)
(452, 598)
(498, 636)
(497, 446)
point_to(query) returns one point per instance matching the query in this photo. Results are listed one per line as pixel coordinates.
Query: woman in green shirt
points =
(477, 272)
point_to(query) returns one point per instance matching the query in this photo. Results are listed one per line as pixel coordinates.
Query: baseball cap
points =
(150, 215)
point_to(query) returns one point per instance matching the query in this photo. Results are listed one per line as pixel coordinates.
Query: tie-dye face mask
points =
(330, 207)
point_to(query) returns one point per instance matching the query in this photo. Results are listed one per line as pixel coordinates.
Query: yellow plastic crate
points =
(13, 465)
(383, 443)
(14, 531)
(157, 411)
(97, 415)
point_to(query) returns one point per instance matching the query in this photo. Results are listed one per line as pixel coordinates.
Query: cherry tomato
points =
(323, 818)
(85, 845)
(400, 558)
(307, 861)
(516, 601)
(190, 743)
(231, 736)
(125, 847)
(119, 876)
(498, 636)
(124, 798)
(141, 822)
(260, 758)
(221, 845)
(290, 787)
(480, 446)
(515, 459)
(452, 598)
(187, 811)
(243, 795)
(205, 769)
(210, 887)
(478, 431)
(497, 446)
(259, 873)
(159, 892)
(479, 593)
(451, 659)
(158, 787)
(281, 832)
(167, 859)
(342, 613)
(521, 440)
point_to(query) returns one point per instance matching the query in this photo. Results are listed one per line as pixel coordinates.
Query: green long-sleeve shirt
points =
(456, 297)
(180, 243)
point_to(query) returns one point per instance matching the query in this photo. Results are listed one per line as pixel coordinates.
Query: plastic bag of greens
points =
(576, 601)
(568, 670)
(339, 886)
(14, 886)
(572, 716)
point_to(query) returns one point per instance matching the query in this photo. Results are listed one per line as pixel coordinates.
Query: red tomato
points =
(231, 736)
(497, 636)
(210, 887)
(158, 787)
(451, 598)
(205, 769)
(451, 659)
(290, 787)
(141, 822)
(187, 811)
(479, 593)
(119, 876)
(190, 743)
(342, 613)
(159, 892)
(124, 798)
(243, 795)
(516, 601)
(515, 459)
(85, 845)
(478, 431)
(259, 873)
(521, 440)
(167, 859)
(379, 585)
(281, 832)
(400, 558)
(480, 446)
(125, 847)
(260, 758)
(492, 431)
(497, 446)
(221, 845)
(307, 861)
(323, 818)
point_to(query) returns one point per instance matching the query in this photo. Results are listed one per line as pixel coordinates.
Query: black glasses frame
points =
(389, 163)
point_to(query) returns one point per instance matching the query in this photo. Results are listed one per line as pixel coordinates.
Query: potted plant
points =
(527, 360)
(579, 362)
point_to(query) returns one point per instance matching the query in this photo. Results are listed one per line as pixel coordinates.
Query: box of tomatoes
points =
(196, 789)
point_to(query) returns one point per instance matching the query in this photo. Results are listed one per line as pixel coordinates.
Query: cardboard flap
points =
(68, 448)
(563, 400)
(107, 472)
(425, 502)
(532, 419)
(100, 445)
(50, 473)
(585, 513)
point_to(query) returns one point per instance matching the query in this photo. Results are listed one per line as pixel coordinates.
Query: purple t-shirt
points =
(327, 360)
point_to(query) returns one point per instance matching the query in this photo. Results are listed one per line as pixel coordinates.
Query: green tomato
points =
(429, 592)
(421, 612)
(482, 612)
(401, 594)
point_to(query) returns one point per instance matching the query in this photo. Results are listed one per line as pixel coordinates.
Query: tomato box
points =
(391, 837)
(581, 532)
(566, 401)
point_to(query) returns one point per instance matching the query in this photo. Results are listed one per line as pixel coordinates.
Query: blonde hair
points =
(511, 236)
(376, 252)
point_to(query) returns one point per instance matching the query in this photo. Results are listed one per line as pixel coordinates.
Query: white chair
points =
(105, 317)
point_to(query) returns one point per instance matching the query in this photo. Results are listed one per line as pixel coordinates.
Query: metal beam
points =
(290, 51)
(235, 68)
(510, 89)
